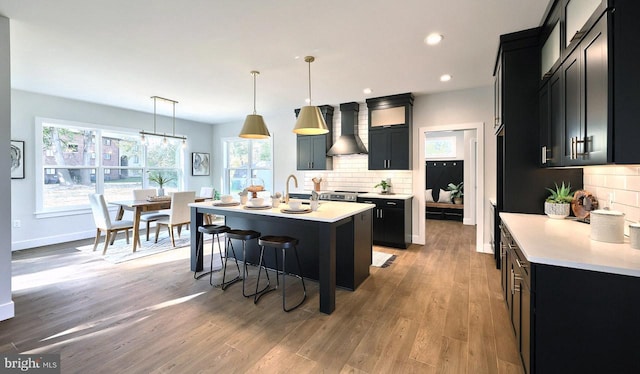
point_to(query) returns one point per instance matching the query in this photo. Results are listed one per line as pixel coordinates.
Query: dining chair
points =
(179, 214)
(207, 192)
(148, 217)
(104, 223)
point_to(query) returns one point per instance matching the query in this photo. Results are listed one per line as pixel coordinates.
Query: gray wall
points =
(6, 304)
(26, 106)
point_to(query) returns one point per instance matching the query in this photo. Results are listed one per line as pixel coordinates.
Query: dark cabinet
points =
(312, 154)
(312, 149)
(552, 121)
(391, 222)
(388, 149)
(569, 320)
(390, 123)
(586, 99)
(598, 74)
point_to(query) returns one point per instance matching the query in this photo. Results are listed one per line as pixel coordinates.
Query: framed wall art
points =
(200, 163)
(17, 159)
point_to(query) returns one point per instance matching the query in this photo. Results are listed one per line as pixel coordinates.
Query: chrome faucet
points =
(286, 193)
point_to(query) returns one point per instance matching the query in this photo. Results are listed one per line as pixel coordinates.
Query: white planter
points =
(160, 191)
(556, 211)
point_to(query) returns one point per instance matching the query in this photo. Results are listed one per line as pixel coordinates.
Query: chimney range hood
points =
(348, 143)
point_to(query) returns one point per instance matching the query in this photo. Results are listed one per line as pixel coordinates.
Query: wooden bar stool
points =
(284, 243)
(215, 230)
(244, 236)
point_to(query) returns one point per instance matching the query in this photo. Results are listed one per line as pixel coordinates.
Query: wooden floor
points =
(437, 309)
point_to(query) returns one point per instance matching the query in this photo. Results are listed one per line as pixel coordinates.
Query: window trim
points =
(40, 211)
(225, 170)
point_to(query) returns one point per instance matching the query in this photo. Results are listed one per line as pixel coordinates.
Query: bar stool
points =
(284, 243)
(244, 236)
(215, 230)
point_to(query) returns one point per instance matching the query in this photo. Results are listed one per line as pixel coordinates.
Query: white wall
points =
(7, 309)
(26, 106)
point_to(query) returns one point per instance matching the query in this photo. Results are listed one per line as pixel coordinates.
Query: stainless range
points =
(347, 196)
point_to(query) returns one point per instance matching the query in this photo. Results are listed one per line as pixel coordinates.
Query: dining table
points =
(140, 206)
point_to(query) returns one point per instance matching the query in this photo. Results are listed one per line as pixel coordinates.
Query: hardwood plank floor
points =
(437, 309)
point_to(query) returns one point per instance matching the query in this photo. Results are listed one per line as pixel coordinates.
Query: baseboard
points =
(49, 240)
(487, 248)
(7, 310)
(468, 221)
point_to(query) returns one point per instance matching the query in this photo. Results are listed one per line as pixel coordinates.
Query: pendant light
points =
(164, 136)
(254, 126)
(310, 120)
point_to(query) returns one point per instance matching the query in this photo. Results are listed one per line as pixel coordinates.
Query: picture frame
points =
(17, 159)
(200, 163)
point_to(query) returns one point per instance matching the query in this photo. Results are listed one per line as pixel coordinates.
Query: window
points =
(70, 169)
(246, 159)
(440, 147)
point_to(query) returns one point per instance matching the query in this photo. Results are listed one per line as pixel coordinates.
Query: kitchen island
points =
(335, 241)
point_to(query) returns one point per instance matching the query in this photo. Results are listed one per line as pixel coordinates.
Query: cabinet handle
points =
(380, 213)
(544, 154)
(391, 203)
(503, 250)
(511, 246)
(513, 282)
(521, 265)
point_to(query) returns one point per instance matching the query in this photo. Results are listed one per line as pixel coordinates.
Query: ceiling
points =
(200, 52)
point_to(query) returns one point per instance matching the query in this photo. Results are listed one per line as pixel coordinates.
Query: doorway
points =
(475, 189)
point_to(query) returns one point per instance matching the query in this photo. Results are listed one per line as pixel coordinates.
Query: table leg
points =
(136, 227)
(120, 213)
(196, 221)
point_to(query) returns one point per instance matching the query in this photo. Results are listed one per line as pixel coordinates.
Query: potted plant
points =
(160, 179)
(456, 192)
(558, 204)
(385, 184)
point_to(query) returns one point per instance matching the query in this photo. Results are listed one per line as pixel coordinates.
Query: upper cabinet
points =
(312, 149)
(579, 16)
(390, 123)
(588, 98)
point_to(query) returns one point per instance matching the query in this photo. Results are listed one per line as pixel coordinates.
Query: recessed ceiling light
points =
(445, 78)
(367, 91)
(433, 38)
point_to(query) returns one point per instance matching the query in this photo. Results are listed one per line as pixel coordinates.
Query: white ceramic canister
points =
(607, 226)
(634, 235)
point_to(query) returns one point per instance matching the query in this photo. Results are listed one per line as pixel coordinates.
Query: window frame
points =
(98, 168)
(226, 170)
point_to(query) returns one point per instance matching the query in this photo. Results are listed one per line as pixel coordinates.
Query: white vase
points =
(160, 191)
(556, 210)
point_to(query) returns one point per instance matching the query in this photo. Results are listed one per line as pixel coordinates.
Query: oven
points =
(346, 196)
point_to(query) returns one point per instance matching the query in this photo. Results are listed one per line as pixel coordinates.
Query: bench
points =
(444, 211)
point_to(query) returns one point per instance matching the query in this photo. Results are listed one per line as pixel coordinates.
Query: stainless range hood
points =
(349, 142)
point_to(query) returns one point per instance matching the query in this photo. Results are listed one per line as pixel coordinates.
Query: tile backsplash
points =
(616, 187)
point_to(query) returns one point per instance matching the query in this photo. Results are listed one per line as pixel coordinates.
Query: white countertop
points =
(328, 211)
(397, 196)
(567, 243)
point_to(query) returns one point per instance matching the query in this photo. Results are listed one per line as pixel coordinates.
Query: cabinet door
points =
(556, 118)
(497, 97)
(378, 149)
(586, 99)
(399, 149)
(525, 326)
(305, 152)
(595, 100)
(393, 225)
(319, 152)
(572, 128)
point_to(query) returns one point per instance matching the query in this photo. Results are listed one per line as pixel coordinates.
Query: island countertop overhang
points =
(328, 211)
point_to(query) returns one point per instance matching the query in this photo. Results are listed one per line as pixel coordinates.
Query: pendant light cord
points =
(254, 91)
(309, 60)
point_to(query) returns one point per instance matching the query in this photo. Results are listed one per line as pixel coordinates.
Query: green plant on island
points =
(561, 195)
